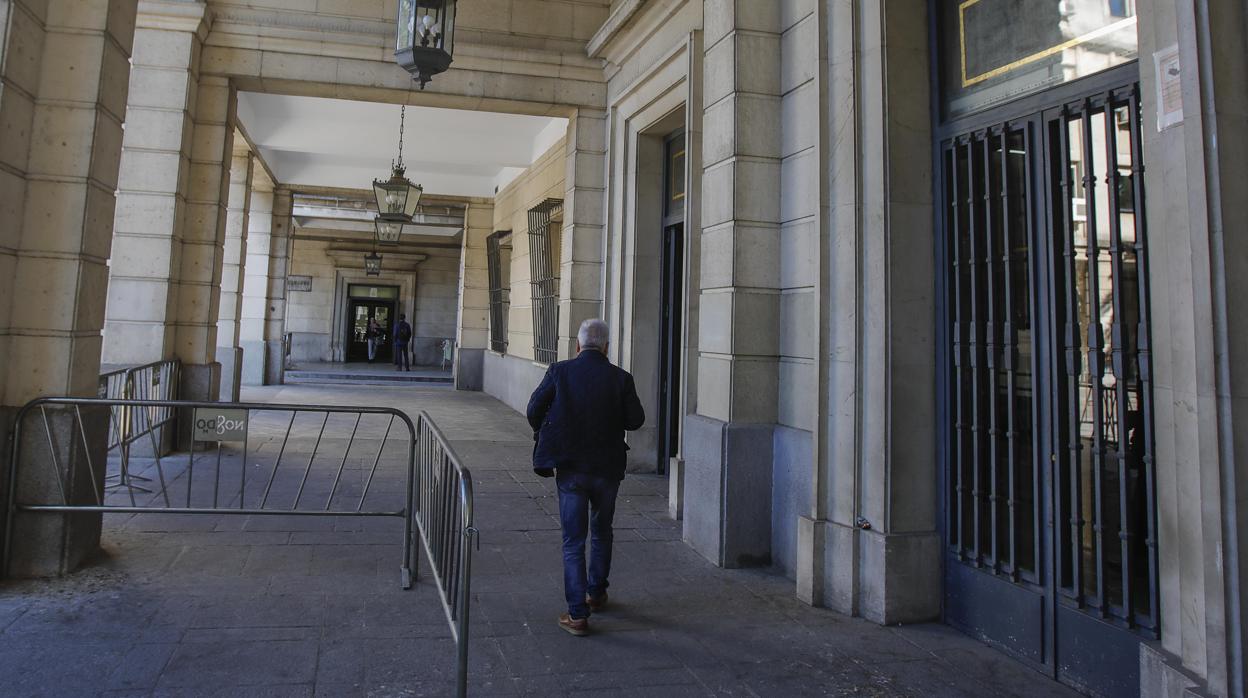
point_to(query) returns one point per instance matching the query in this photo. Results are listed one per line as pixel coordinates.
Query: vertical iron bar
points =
(1073, 358)
(1030, 149)
(990, 348)
(1144, 358)
(1009, 352)
(281, 452)
(976, 356)
(959, 353)
(312, 459)
(1096, 356)
(242, 479)
(1118, 355)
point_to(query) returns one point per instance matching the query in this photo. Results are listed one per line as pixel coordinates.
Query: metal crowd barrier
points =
(127, 426)
(444, 517)
(362, 462)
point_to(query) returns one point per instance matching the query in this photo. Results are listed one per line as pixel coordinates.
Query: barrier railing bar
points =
(278, 463)
(86, 452)
(190, 477)
(380, 449)
(307, 471)
(56, 465)
(333, 490)
(216, 483)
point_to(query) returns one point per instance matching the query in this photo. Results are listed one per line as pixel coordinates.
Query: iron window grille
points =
(543, 280)
(498, 261)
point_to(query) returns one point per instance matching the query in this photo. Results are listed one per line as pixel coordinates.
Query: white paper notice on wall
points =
(1169, 88)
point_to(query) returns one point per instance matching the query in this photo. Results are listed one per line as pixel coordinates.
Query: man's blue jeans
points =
(586, 505)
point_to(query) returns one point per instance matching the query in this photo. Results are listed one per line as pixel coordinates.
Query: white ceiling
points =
(318, 142)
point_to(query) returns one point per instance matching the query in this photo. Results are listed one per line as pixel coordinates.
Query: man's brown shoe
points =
(596, 604)
(577, 626)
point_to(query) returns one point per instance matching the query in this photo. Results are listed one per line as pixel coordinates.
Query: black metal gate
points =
(1049, 479)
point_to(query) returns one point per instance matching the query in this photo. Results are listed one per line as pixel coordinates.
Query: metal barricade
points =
(444, 518)
(259, 459)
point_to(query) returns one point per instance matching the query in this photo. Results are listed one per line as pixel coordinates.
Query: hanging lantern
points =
(397, 197)
(372, 264)
(425, 35)
(387, 232)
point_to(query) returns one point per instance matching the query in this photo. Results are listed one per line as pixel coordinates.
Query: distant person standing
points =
(448, 349)
(373, 334)
(402, 337)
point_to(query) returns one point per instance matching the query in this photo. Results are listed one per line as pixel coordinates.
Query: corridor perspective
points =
(929, 305)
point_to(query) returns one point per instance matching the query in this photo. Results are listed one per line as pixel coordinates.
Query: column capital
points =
(175, 15)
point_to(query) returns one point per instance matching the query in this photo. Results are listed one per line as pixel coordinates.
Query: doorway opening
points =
(671, 303)
(365, 304)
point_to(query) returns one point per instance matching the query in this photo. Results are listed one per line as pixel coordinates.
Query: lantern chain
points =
(402, 122)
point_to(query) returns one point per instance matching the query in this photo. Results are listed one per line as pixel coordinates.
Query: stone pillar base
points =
(1162, 676)
(46, 544)
(255, 358)
(274, 362)
(676, 488)
(885, 578)
(727, 503)
(470, 369)
(231, 359)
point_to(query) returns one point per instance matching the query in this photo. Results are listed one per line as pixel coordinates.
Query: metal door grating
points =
(1106, 488)
(499, 267)
(993, 509)
(543, 280)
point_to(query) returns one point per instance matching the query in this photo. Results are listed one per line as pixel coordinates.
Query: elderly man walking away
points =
(579, 415)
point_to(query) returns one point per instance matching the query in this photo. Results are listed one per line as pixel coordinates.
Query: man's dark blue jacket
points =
(579, 415)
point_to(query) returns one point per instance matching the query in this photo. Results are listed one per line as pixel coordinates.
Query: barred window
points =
(498, 260)
(543, 280)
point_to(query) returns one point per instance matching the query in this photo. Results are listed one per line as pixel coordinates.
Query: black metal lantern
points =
(425, 35)
(387, 232)
(372, 264)
(397, 197)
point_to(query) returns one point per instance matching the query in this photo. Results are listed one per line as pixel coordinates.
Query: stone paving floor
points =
(277, 606)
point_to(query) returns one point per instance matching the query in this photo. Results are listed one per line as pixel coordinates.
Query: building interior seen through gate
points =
(928, 302)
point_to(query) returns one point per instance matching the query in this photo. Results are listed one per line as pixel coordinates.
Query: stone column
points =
(870, 546)
(229, 353)
(1196, 185)
(175, 177)
(64, 66)
(281, 243)
(151, 198)
(728, 442)
(264, 283)
(584, 220)
(473, 328)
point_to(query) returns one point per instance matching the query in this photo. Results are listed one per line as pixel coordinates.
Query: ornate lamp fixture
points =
(425, 37)
(397, 197)
(387, 232)
(372, 264)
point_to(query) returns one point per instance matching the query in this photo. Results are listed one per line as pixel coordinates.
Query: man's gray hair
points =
(594, 334)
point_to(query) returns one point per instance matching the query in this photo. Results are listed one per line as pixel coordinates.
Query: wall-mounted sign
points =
(298, 283)
(996, 50)
(218, 424)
